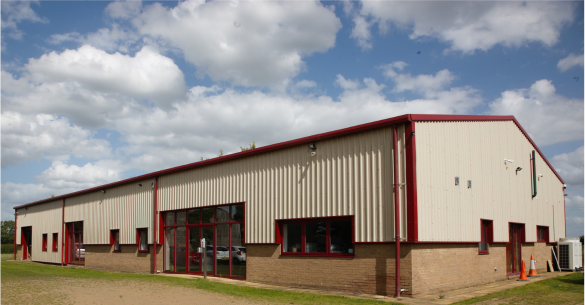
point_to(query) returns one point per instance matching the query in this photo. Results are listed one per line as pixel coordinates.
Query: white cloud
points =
(111, 40)
(570, 61)
(63, 176)
(547, 117)
(423, 83)
(472, 25)
(570, 167)
(31, 137)
(147, 75)
(14, 12)
(245, 43)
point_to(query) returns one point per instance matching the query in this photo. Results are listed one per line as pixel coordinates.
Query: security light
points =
(104, 191)
(518, 168)
(312, 146)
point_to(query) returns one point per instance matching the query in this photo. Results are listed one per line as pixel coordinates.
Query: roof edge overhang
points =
(306, 140)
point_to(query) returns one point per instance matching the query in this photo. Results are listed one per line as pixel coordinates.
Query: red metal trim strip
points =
(16, 228)
(63, 233)
(411, 189)
(564, 211)
(154, 230)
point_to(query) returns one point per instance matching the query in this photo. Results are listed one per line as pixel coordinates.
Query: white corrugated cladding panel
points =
(126, 207)
(44, 218)
(476, 151)
(350, 175)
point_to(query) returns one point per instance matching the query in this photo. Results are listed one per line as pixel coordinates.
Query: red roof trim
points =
(306, 140)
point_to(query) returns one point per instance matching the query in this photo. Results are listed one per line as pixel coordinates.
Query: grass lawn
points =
(566, 289)
(6, 257)
(22, 275)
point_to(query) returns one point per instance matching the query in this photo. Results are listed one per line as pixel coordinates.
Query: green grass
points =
(25, 272)
(566, 289)
(6, 257)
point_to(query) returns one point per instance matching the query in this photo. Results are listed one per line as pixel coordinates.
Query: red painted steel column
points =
(15, 228)
(154, 230)
(63, 233)
(565, 211)
(396, 210)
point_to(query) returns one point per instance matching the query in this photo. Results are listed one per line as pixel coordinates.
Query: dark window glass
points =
(237, 213)
(340, 236)
(483, 243)
(222, 248)
(208, 215)
(142, 240)
(170, 249)
(222, 214)
(194, 217)
(181, 218)
(292, 237)
(315, 237)
(116, 235)
(238, 250)
(170, 219)
(44, 242)
(55, 241)
(181, 249)
(78, 226)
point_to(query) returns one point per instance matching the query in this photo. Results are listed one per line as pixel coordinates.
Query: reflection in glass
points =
(181, 249)
(222, 214)
(292, 237)
(194, 217)
(222, 249)
(238, 251)
(116, 235)
(207, 233)
(315, 237)
(194, 256)
(143, 240)
(208, 215)
(181, 218)
(237, 213)
(483, 243)
(170, 219)
(170, 249)
(340, 234)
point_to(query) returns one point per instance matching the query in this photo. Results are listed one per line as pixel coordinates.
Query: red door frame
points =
(201, 227)
(515, 230)
(24, 242)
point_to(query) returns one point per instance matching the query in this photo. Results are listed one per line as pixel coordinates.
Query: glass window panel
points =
(170, 249)
(78, 226)
(170, 219)
(181, 249)
(208, 215)
(340, 237)
(194, 256)
(116, 240)
(483, 243)
(143, 240)
(207, 233)
(238, 250)
(237, 213)
(194, 217)
(292, 237)
(315, 237)
(222, 249)
(181, 218)
(222, 214)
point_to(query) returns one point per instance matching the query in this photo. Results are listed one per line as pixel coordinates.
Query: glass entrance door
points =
(195, 261)
(207, 233)
(194, 256)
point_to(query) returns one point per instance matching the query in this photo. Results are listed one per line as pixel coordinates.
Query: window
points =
(115, 240)
(541, 234)
(55, 242)
(486, 236)
(45, 242)
(142, 239)
(317, 237)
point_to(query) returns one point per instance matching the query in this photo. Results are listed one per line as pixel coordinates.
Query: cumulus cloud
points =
(107, 39)
(570, 61)
(63, 176)
(547, 116)
(31, 137)
(423, 83)
(570, 167)
(245, 43)
(147, 75)
(15, 12)
(467, 26)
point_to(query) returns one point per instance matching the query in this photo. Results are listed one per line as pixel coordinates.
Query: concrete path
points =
(448, 297)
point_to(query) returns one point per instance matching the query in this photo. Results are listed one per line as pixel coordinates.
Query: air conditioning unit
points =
(570, 255)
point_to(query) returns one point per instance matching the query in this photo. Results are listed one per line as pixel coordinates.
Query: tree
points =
(7, 232)
(252, 146)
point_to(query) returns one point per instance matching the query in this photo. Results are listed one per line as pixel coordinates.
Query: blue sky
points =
(96, 91)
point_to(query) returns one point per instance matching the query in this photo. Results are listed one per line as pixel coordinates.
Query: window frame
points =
(55, 242)
(489, 236)
(303, 221)
(113, 240)
(546, 234)
(138, 240)
(45, 237)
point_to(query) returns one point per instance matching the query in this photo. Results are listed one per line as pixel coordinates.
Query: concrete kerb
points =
(448, 297)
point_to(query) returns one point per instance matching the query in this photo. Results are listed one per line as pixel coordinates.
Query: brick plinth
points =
(103, 257)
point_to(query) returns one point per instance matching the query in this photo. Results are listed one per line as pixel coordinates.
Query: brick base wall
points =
(18, 252)
(103, 257)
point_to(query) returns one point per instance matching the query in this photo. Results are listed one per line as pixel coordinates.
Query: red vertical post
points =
(63, 233)
(565, 211)
(396, 209)
(15, 228)
(154, 230)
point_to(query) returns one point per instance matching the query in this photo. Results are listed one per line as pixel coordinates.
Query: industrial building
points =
(462, 199)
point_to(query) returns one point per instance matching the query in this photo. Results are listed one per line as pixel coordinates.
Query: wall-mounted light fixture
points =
(104, 191)
(139, 184)
(518, 169)
(152, 184)
(312, 146)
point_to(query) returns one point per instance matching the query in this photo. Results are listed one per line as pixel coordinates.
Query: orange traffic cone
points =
(532, 271)
(523, 273)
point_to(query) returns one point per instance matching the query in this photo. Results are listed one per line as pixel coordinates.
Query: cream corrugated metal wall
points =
(44, 218)
(125, 207)
(476, 151)
(349, 175)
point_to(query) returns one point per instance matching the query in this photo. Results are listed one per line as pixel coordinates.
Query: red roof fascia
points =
(251, 152)
(438, 117)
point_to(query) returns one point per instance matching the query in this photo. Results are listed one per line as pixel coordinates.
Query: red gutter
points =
(62, 234)
(154, 230)
(396, 210)
(15, 228)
